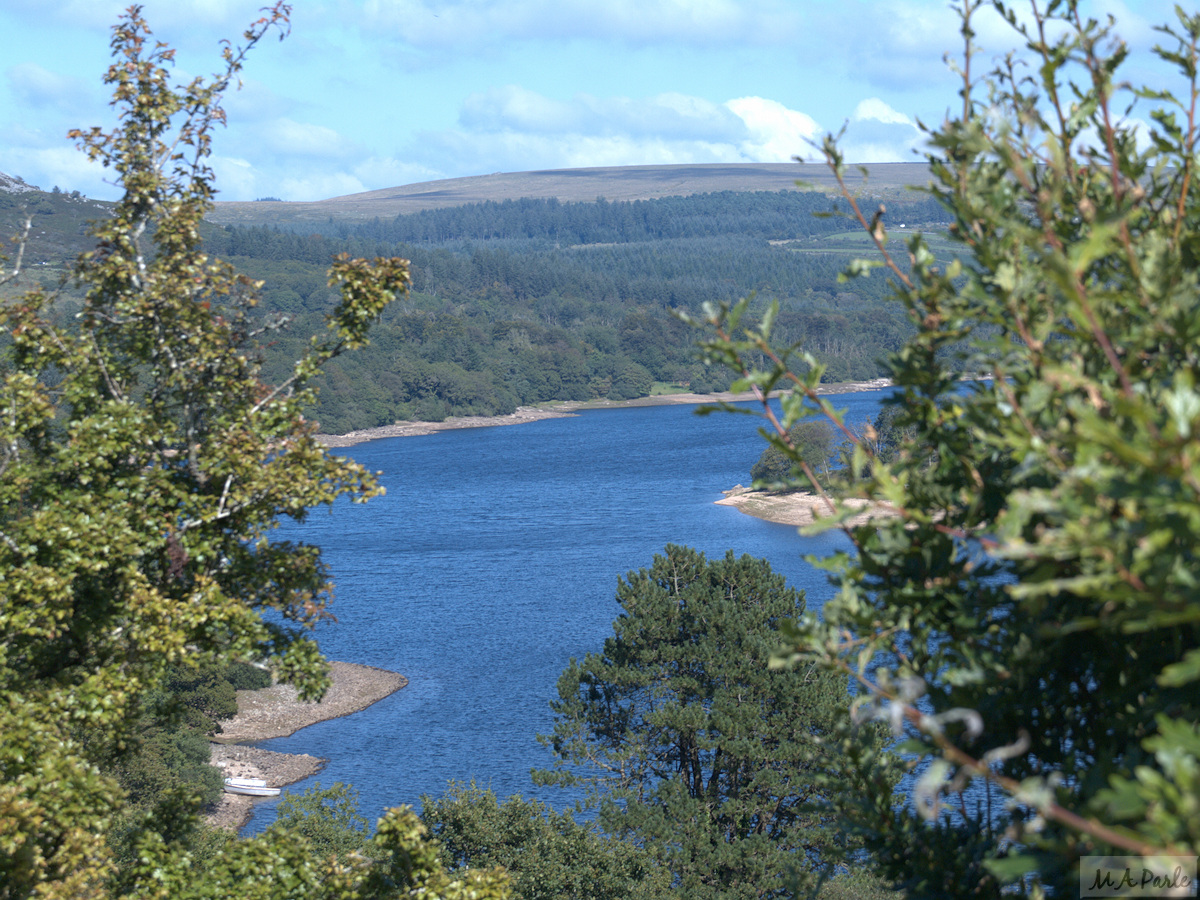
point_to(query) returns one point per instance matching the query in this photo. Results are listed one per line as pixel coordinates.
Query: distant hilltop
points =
(11, 184)
(571, 185)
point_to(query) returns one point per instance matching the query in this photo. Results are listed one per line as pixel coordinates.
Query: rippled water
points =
(493, 560)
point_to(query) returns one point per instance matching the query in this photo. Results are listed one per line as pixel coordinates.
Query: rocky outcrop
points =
(13, 185)
(277, 712)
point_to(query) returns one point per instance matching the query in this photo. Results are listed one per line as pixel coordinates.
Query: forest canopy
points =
(526, 301)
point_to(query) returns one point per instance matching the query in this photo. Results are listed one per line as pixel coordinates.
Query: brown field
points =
(569, 185)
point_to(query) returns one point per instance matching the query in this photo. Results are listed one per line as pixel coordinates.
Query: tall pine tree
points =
(685, 739)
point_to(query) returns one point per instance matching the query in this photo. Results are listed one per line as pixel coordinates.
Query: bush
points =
(244, 676)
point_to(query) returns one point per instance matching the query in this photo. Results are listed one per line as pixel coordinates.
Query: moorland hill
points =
(567, 185)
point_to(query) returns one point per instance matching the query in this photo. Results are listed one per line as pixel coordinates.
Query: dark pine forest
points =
(524, 301)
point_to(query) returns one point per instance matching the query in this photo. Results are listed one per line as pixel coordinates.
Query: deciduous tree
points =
(1030, 621)
(547, 854)
(143, 464)
(812, 440)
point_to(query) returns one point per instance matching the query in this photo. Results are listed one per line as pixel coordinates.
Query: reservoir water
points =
(493, 559)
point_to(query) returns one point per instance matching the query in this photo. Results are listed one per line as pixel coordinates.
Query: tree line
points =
(502, 313)
(769, 215)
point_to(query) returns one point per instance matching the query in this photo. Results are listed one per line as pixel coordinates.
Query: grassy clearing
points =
(857, 243)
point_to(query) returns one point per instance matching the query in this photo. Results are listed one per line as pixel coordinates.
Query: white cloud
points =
(514, 129)
(898, 44)
(676, 116)
(874, 108)
(878, 133)
(904, 44)
(317, 186)
(287, 137)
(514, 107)
(1136, 27)
(458, 151)
(670, 115)
(236, 178)
(381, 172)
(62, 166)
(776, 133)
(241, 179)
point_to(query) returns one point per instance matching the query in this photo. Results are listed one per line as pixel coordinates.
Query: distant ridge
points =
(567, 185)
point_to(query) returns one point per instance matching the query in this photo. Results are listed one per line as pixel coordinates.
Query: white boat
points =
(251, 787)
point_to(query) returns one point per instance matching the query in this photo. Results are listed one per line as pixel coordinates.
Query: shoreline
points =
(276, 712)
(800, 508)
(565, 408)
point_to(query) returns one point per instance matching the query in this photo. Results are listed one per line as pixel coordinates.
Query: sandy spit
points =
(276, 712)
(801, 508)
(562, 409)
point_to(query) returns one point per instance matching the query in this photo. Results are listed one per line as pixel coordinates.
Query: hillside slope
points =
(567, 185)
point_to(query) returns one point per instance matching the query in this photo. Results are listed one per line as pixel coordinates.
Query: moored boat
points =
(251, 787)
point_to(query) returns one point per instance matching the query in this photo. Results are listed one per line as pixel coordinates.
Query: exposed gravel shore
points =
(798, 509)
(560, 410)
(276, 712)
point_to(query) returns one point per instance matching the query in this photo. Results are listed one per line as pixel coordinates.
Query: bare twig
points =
(21, 240)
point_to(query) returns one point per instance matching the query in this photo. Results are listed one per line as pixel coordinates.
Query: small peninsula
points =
(798, 508)
(277, 712)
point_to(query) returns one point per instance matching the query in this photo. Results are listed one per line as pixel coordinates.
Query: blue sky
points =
(367, 94)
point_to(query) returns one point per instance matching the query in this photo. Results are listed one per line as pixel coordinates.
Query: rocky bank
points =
(277, 712)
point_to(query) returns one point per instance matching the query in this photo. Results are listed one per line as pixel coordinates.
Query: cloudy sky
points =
(367, 94)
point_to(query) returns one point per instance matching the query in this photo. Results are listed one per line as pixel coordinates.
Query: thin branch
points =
(1189, 156)
(979, 767)
(21, 240)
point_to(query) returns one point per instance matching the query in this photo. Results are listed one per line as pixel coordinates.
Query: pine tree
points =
(688, 744)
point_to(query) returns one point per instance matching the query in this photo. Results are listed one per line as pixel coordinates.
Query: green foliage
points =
(525, 301)
(165, 760)
(144, 461)
(200, 697)
(811, 441)
(168, 750)
(885, 437)
(62, 233)
(547, 854)
(400, 861)
(328, 819)
(1030, 622)
(244, 676)
(685, 740)
(522, 302)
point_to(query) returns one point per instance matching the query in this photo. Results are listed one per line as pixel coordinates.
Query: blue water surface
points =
(493, 560)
